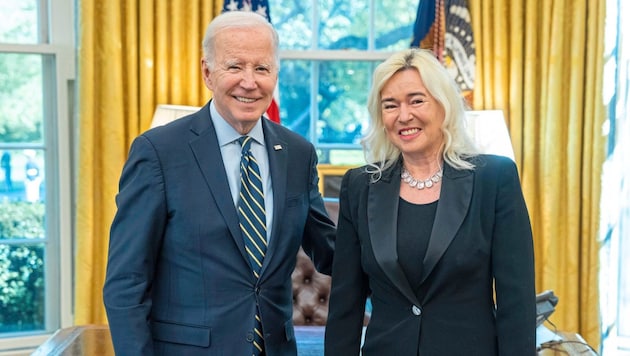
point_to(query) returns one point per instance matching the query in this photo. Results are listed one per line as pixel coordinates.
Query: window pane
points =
(31, 184)
(21, 262)
(21, 108)
(21, 221)
(341, 114)
(22, 192)
(325, 100)
(21, 287)
(342, 100)
(21, 26)
(295, 96)
(393, 25)
(342, 24)
(22, 176)
(292, 20)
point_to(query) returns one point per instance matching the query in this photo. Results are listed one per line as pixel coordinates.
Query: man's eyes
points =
(236, 67)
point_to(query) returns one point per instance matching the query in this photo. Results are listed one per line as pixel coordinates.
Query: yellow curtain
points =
(542, 63)
(133, 55)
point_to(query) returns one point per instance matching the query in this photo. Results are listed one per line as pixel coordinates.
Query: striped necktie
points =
(251, 214)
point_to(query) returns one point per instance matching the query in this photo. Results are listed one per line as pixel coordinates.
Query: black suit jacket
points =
(481, 239)
(178, 277)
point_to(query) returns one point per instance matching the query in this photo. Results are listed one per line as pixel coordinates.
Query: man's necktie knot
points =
(246, 144)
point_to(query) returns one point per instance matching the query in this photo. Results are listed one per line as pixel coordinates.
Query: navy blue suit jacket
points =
(481, 242)
(178, 278)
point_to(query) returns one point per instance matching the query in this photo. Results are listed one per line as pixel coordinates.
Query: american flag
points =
(445, 27)
(459, 46)
(425, 20)
(261, 7)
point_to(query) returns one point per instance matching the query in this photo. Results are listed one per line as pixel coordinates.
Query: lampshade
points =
(167, 113)
(489, 132)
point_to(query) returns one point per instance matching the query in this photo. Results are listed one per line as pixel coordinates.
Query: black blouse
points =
(415, 222)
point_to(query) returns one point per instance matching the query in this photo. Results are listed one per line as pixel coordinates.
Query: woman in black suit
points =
(437, 235)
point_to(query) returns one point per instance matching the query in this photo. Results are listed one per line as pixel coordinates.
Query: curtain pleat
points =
(132, 56)
(541, 62)
(594, 154)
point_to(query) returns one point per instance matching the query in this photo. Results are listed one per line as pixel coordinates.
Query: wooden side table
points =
(78, 340)
(571, 344)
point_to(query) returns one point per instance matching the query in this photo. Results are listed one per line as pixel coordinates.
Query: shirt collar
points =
(226, 134)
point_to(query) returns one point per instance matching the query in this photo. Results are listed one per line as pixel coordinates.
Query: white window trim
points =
(62, 47)
(335, 55)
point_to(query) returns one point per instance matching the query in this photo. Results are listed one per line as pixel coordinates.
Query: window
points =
(36, 72)
(328, 51)
(615, 201)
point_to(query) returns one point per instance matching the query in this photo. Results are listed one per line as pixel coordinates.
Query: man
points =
(181, 273)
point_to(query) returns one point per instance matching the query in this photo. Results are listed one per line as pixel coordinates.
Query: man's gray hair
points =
(236, 19)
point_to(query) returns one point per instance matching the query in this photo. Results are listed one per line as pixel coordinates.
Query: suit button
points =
(250, 337)
(416, 310)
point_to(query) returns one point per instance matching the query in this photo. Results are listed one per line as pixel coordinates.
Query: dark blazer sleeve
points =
(350, 284)
(133, 249)
(319, 230)
(513, 266)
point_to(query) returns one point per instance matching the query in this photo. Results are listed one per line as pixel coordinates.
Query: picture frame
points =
(330, 177)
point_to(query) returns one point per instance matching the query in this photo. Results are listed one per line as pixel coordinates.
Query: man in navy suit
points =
(179, 280)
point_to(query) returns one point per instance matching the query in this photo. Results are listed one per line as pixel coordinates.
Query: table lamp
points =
(165, 113)
(489, 132)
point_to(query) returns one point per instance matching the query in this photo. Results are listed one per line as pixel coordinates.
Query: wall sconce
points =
(489, 132)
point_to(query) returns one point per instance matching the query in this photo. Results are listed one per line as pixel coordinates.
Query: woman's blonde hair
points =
(379, 152)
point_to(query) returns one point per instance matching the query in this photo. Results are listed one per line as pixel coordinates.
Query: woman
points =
(435, 234)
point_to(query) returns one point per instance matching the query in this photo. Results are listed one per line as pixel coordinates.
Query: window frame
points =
(615, 217)
(315, 55)
(372, 56)
(57, 48)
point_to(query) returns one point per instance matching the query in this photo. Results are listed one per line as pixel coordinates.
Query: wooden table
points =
(571, 344)
(78, 340)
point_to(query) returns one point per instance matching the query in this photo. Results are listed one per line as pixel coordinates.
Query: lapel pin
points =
(277, 147)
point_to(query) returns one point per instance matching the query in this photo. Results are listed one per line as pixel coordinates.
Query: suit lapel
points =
(278, 154)
(382, 214)
(455, 196)
(205, 148)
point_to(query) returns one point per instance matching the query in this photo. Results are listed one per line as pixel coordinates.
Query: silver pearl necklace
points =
(420, 183)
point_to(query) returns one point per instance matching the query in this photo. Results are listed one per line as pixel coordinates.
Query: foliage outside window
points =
(21, 267)
(22, 193)
(328, 52)
(29, 177)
